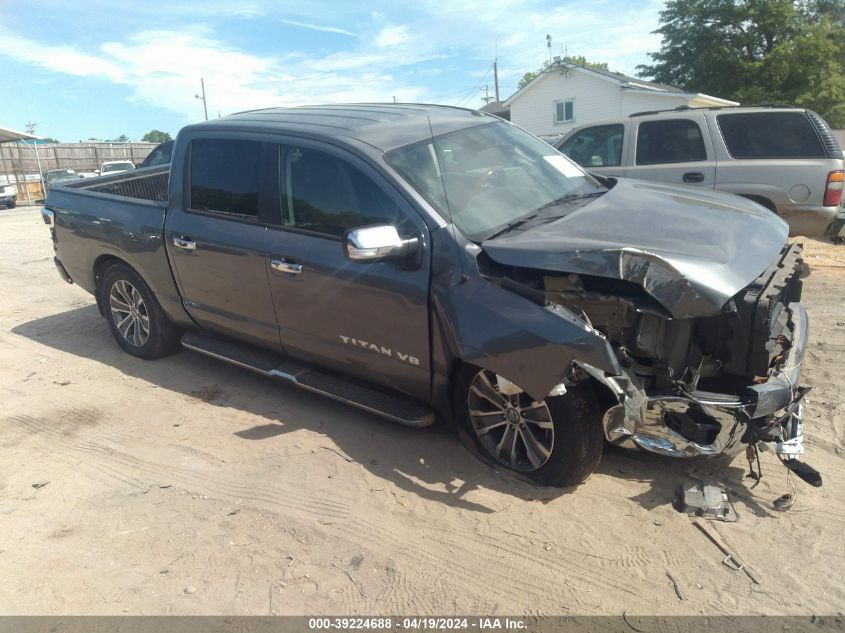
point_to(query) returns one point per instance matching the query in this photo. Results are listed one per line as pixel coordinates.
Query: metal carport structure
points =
(8, 135)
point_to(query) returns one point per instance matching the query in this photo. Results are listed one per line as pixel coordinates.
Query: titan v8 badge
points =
(380, 349)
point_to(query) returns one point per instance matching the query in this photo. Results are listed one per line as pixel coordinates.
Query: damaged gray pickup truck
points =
(413, 259)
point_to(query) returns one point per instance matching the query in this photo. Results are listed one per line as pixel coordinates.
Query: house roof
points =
(625, 82)
(498, 108)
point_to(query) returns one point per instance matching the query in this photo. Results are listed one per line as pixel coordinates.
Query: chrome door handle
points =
(184, 244)
(286, 267)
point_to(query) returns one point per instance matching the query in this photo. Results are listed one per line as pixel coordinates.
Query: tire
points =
(565, 430)
(12, 205)
(134, 315)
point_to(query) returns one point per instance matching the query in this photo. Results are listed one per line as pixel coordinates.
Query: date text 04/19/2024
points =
(416, 623)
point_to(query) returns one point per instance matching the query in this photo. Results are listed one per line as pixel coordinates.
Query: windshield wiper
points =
(536, 212)
(569, 198)
(512, 225)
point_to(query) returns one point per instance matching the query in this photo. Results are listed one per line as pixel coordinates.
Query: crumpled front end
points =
(734, 377)
(690, 423)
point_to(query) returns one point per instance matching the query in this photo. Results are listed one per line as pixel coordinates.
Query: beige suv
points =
(786, 159)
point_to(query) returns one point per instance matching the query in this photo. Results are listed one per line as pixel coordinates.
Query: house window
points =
(564, 111)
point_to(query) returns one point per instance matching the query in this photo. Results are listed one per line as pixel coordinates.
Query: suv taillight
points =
(833, 191)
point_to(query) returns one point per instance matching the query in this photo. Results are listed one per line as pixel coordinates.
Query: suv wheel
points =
(556, 442)
(134, 315)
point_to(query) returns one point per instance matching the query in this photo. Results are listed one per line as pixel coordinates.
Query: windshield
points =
(118, 167)
(493, 175)
(64, 174)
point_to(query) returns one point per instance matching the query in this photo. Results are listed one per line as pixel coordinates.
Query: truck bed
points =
(143, 184)
(117, 217)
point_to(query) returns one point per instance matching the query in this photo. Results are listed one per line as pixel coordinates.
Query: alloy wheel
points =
(129, 313)
(516, 430)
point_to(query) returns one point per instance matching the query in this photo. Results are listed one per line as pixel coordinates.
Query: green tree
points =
(756, 51)
(50, 139)
(580, 60)
(120, 139)
(156, 136)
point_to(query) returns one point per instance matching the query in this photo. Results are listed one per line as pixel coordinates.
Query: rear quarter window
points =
(770, 135)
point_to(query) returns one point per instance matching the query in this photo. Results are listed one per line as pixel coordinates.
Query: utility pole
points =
(204, 106)
(496, 76)
(549, 46)
(30, 129)
(487, 98)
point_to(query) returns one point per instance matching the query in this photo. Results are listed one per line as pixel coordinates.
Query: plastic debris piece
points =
(704, 498)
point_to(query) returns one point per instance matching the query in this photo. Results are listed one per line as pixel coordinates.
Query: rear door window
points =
(326, 194)
(599, 146)
(670, 141)
(225, 176)
(770, 135)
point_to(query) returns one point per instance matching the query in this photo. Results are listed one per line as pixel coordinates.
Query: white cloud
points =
(62, 59)
(319, 27)
(384, 56)
(392, 35)
(163, 68)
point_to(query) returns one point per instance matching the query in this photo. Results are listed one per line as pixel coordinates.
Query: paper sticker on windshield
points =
(563, 166)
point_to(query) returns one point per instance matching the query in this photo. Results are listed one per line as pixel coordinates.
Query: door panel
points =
(677, 151)
(223, 282)
(217, 247)
(367, 319)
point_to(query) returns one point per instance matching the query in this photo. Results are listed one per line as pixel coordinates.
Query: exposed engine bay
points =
(691, 385)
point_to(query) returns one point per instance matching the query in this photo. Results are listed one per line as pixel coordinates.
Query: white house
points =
(566, 95)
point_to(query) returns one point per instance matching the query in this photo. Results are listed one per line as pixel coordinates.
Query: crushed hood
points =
(691, 249)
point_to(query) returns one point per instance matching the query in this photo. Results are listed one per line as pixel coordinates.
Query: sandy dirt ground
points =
(187, 486)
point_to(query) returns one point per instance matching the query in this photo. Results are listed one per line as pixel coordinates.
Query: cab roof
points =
(380, 125)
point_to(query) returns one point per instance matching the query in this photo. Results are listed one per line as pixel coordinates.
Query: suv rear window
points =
(669, 141)
(770, 135)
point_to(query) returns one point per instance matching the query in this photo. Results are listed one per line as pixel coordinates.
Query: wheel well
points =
(604, 395)
(101, 265)
(454, 374)
(761, 200)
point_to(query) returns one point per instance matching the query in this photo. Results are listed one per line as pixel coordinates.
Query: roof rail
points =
(688, 108)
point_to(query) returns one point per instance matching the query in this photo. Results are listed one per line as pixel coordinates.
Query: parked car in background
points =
(159, 156)
(55, 176)
(786, 159)
(8, 196)
(408, 259)
(116, 166)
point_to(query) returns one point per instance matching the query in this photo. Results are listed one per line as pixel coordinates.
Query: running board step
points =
(404, 410)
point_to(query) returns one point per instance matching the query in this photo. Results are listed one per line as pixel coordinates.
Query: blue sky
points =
(102, 69)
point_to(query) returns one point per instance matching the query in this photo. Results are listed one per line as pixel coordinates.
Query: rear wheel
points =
(135, 317)
(554, 442)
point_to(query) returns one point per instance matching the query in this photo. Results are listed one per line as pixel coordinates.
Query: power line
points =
(475, 88)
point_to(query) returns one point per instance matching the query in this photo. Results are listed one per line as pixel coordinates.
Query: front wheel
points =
(134, 315)
(556, 442)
